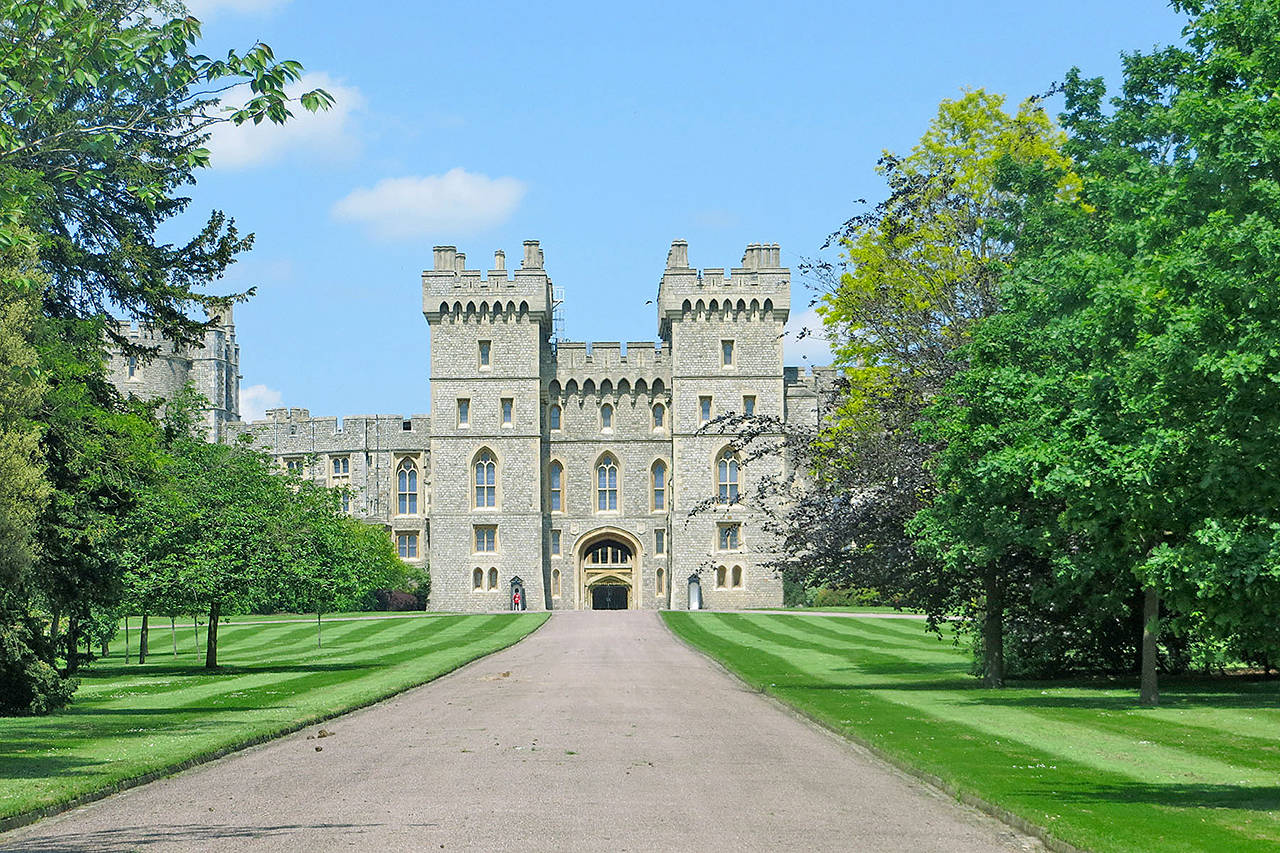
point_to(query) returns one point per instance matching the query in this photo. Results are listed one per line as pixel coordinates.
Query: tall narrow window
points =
(477, 579)
(606, 416)
(659, 486)
(749, 405)
(607, 484)
(485, 347)
(486, 539)
(736, 577)
(553, 417)
(407, 487)
(727, 477)
(556, 489)
(720, 577)
(486, 480)
(346, 502)
(555, 543)
(704, 408)
(730, 537)
(133, 366)
(659, 541)
(661, 585)
(659, 416)
(464, 412)
(506, 411)
(493, 579)
(555, 583)
(726, 353)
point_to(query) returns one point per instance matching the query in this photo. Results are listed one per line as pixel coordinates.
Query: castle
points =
(562, 471)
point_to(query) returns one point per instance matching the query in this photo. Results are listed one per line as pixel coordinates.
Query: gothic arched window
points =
(556, 487)
(607, 484)
(553, 417)
(486, 469)
(477, 579)
(659, 416)
(606, 416)
(727, 476)
(659, 478)
(407, 487)
(493, 579)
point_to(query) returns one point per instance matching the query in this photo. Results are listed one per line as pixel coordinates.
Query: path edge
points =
(1000, 813)
(22, 819)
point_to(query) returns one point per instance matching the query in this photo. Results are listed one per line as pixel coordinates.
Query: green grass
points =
(1082, 759)
(129, 720)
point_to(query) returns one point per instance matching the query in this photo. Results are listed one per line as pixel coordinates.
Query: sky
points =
(604, 130)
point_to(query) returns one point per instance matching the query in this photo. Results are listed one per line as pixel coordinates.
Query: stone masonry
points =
(567, 465)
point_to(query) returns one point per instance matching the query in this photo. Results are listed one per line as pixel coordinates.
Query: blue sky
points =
(604, 130)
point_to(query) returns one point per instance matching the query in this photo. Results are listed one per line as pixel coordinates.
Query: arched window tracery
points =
(607, 484)
(407, 487)
(486, 480)
(727, 473)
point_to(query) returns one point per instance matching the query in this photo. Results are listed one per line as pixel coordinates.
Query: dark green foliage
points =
(29, 684)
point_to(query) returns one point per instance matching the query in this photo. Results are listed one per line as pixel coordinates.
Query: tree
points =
(918, 271)
(1129, 387)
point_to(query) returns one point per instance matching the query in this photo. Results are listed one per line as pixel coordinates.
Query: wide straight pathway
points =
(600, 731)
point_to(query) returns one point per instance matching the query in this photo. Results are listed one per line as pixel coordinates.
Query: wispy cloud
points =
(327, 134)
(255, 400)
(204, 9)
(457, 202)
(806, 342)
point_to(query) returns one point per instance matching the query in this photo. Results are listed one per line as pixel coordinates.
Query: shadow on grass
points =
(1185, 796)
(112, 672)
(190, 834)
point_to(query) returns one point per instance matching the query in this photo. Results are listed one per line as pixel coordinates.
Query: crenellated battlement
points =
(759, 288)
(451, 290)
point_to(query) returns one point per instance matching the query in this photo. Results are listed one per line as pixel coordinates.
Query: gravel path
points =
(600, 731)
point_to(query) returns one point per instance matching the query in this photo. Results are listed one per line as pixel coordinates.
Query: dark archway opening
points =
(609, 597)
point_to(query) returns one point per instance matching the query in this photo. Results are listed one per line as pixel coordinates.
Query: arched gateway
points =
(608, 570)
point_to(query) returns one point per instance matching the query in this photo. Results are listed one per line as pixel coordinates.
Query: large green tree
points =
(1131, 388)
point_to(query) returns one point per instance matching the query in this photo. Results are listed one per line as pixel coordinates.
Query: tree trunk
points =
(142, 638)
(55, 627)
(173, 633)
(1150, 691)
(126, 639)
(211, 644)
(993, 633)
(195, 628)
(317, 629)
(73, 644)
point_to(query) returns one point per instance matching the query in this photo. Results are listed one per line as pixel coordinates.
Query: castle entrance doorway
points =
(607, 568)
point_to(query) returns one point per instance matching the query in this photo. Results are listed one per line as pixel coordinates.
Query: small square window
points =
(341, 466)
(749, 405)
(730, 537)
(486, 539)
(726, 353)
(659, 541)
(485, 351)
(704, 409)
(407, 426)
(507, 405)
(555, 543)
(464, 412)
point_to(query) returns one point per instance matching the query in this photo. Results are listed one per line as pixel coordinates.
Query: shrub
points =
(29, 685)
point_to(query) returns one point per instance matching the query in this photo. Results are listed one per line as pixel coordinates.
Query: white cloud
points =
(255, 400)
(456, 202)
(327, 133)
(806, 342)
(205, 9)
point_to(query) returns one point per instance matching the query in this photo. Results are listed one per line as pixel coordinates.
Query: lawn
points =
(1082, 759)
(129, 720)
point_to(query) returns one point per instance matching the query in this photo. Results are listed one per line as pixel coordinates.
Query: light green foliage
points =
(922, 266)
(1081, 759)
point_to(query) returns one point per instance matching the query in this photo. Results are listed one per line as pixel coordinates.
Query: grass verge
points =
(131, 722)
(1083, 760)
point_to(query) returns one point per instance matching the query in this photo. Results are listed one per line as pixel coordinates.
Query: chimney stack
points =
(678, 257)
(499, 260)
(443, 257)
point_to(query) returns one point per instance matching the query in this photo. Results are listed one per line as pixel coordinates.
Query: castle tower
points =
(725, 338)
(215, 372)
(489, 339)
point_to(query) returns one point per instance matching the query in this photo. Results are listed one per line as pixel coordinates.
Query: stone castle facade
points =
(564, 470)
